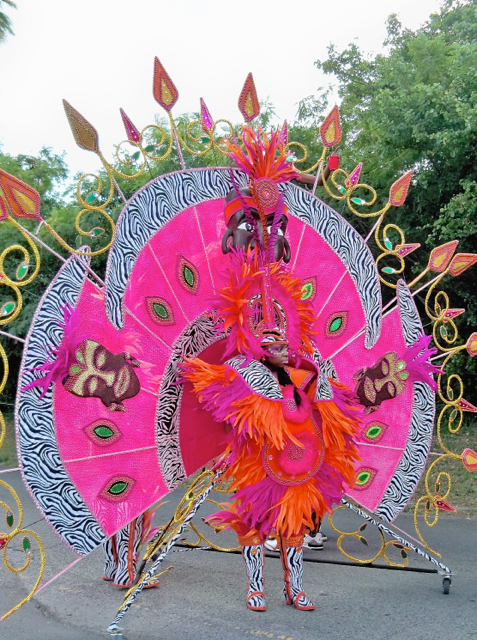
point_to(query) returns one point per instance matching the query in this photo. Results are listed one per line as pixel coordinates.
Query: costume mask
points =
(383, 381)
(239, 232)
(98, 373)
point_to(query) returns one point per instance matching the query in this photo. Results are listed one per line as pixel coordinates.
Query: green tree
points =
(5, 22)
(414, 107)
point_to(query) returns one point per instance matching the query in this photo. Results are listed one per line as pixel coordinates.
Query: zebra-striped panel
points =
(43, 471)
(349, 246)
(147, 212)
(413, 460)
(199, 335)
(257, 376)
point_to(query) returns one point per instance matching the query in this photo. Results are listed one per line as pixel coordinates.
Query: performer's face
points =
(239, 234)
(277, 355)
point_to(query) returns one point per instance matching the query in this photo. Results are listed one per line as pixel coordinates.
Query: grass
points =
(8, 452)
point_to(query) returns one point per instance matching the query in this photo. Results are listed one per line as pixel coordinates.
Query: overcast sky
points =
(98, 54)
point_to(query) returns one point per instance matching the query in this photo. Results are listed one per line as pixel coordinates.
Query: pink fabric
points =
(396, 413)
(85, 461)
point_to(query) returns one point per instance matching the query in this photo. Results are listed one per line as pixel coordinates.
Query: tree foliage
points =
(414, 107)
(5, 22)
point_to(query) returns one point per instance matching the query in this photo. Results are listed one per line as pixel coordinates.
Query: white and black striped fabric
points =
(43, 471)
(413, 460)
(349, 246)
(199, 335)
(257, 376)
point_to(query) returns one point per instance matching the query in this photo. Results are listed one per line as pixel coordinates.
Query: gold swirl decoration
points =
(16, 530)
(382, 552)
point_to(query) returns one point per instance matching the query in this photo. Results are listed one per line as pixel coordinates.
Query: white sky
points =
(98, 54)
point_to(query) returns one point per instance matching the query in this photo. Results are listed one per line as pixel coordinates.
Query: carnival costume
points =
(129, 387)
(292, 445)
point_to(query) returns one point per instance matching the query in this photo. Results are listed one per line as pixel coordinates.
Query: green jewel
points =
(8, 308)
(190, 496)
(388, 243)
(204, 140)
(453, 415)
(307, 291)
(397, 545)
(74, 370)
(363, 478)
(91, 197)
(79, 356)
(117, 488)
(342, 189)
(96, 232)
(363, 526)
(26, 544)
(160, 310)
(22, 270)
(443, 331)
(188, 276)
(10, 519)
(103, 431)
(428, 505)
(403, 554)
(149, 148)
(336, 324)
(388, 270)
(374, 432)
(358, 200)
(401, 365)
(363, 540)
(404, 375)
(136, 155)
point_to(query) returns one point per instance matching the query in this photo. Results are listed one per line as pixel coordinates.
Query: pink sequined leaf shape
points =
(160, 310)
(330, 130)
(405, 249)
(374, 431)
(461, 262)
(309, 289)
(283, 135)
(188, 275)
(364, 477)
(131, 131)
(353, 177)
(336, 324)
(85, 135)
(205, 118)
(102, 432)
(164, 90)
(248, 100)
(117, 488)
(23, 200)
(471, 345)
(440, 257)
(399, 189)
(469, 459)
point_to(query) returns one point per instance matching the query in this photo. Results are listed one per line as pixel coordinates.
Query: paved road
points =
(203, 597)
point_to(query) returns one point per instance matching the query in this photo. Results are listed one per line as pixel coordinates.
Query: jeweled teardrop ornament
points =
(8, 308)
(26, 544)
(22, 270)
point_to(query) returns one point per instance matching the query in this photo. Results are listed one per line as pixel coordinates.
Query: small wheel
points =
(446, 584)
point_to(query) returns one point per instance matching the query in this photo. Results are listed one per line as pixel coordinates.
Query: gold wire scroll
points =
(23, 277)
(359, 535)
